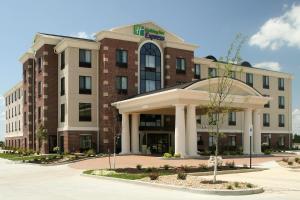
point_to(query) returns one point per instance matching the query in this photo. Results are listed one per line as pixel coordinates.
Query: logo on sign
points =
(151, 33)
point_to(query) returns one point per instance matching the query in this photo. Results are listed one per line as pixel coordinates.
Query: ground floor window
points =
(232, 140)
(266, 140)
(211, 141)
(281, 141)
(85, 142)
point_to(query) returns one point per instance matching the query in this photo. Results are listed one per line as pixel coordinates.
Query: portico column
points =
(257, 131)
(135, 133)
(191, 131)
(180, 129)
(246, 136)
(125, 134)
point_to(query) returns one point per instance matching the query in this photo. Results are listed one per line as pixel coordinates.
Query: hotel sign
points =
(150, 33)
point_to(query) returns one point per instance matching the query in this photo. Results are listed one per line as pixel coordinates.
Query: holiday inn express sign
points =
(148, 32)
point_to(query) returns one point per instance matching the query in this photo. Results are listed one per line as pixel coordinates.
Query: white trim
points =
(222, 130)
(161, 62)
(68, 128)
(276, 131)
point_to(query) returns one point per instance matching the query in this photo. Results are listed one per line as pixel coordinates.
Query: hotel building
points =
(141, 87)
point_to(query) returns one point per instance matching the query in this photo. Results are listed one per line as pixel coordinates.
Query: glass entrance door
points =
(158, 143)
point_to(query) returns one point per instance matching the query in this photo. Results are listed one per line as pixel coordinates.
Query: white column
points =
(125, 134)
(257, 131)
(191, 131)
(135, 133)
(180, 129)
(246, 136)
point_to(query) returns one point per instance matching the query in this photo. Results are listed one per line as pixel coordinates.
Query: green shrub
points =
(236, 184)
(290, 162)
(166, 167)
(90, 152)
(229, 187)
(184, 168)
(267, 151)
(285, 160)
(203, 166)
(181, 176)
(167, 155)
(297, 159)
(139, 166)
(249, 185)
(150, 169)
(177, 155)
(56, 149)
(153, 176)
(230, 164)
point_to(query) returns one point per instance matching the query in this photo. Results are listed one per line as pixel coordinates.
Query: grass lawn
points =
(16, 157)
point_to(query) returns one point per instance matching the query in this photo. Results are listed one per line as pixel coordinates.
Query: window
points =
(266, 82)
(267, 105)
(25, 97)
(212, 118)
(85, 142)
(232, 74)
(24, 76)
(180, 65)
(122, 84)
(249, 79)
(199, 140)
(212, 72)
(211, 141)
(266, 140)
(150, 120)
(25, 119)
(280, 84)
(281, 102)
(281, 120)
(85, 112)
(85, 58)
(62, 60)
(266, 119)
(281, 141)
(232, 118)
(39, 114)
(62, 86)
(39, 88)
(62, 113)
(232, 140)
(197, 71)
(85, 85)
(122, 58)
(16, 96)
(39, 64)
(150, 68)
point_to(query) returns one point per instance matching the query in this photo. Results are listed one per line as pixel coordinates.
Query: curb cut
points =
(184, 189)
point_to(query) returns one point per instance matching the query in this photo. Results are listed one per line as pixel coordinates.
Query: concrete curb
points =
(235, 171)
(184, 189)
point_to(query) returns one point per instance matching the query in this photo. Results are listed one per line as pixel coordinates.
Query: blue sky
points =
(272, 26)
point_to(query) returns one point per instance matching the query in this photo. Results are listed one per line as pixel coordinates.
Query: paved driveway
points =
(34, 182)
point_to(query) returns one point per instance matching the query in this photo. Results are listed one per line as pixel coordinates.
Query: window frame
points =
(84, 63)
(62, 113)
(197, 76)
(281, 86)
(232, 119)
(118, 56)
(85, 90)
(180, 68)
(249, 81)
(281, 106)
(85, 118)
(119, 85)
(210, 70)
(62, 60)
(266, 119)
(281, 123)
(266, 82)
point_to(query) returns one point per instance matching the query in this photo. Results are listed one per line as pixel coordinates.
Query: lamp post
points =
(251, 134)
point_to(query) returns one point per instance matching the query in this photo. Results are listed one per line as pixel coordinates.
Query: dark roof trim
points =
(70, 37)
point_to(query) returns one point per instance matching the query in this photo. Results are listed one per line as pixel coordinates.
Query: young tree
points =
(42, 135)
(219, 93)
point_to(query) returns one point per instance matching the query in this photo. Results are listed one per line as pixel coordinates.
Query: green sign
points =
(151, 33)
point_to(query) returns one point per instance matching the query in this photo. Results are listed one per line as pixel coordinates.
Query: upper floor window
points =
(40, 88)
(62, 86)
(150, 120)
(281, 120)
(266, 119)
(39, 64)
(212, 118)
(62, 60)
(122, 58)
(25, 97)
(249, 79)
(150, 68)
(180, 65)
(85, 85)
(25, 119)
(267, 105)
(281, 102)
(62, 113)
(122, 84)
(25, 75)
(212, 72)
(85, 58)
(39, 114)
(197, 71)
(266, 82)
(85, 112)
(232, 118)
(280, 84)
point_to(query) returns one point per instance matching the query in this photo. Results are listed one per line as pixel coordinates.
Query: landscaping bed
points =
(292, 162)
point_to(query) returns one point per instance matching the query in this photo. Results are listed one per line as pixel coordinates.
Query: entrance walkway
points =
(151, 161)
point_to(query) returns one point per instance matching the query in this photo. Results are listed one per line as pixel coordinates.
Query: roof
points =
(70, 37)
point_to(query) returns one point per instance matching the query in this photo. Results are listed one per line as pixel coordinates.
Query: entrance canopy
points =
(195, 93)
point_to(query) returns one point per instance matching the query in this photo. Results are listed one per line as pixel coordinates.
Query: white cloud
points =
(279, 31)
(275, 66)
(84, 35)
(296, 121)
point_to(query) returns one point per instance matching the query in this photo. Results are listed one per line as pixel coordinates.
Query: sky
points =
(271, 26)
